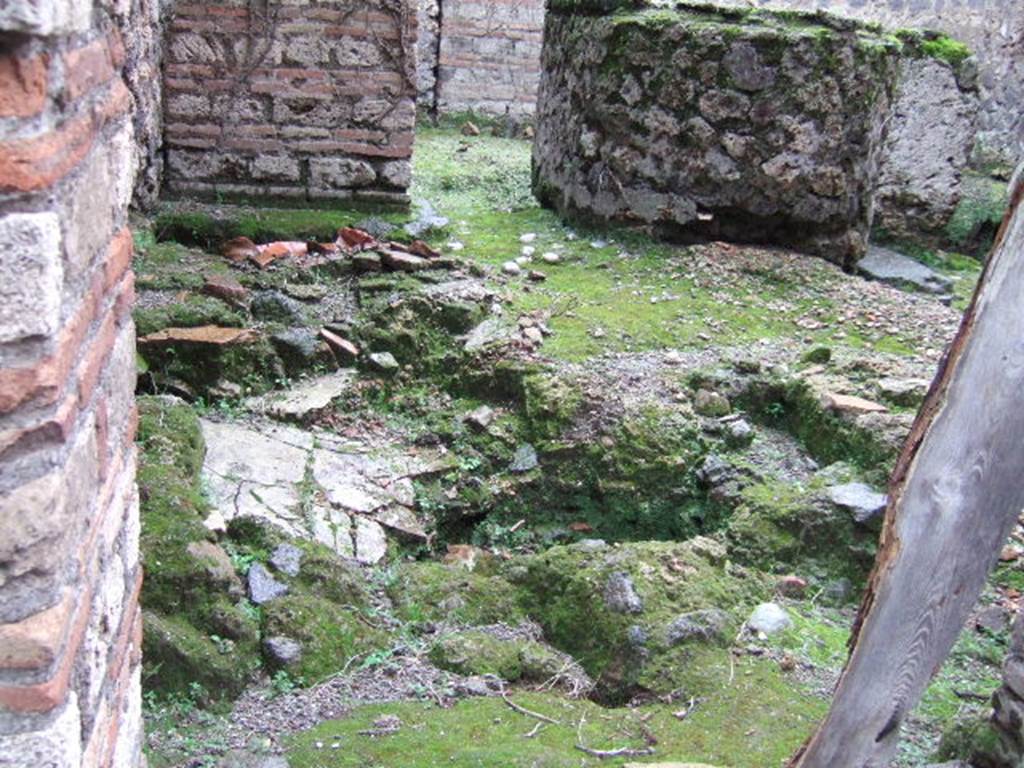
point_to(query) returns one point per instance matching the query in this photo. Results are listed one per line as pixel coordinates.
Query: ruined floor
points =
(526, 496)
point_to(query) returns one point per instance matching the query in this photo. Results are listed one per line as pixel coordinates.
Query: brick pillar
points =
(69, 563)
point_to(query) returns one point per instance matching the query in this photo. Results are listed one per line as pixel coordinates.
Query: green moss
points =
(969, 739)
(785, 527)
(757, 720)
(436, 592)
(178, 657)
(191, 312)
(549, 402)
(978, 215)
(947, 49)
(199, 367)
(564, 589)
(331, 635)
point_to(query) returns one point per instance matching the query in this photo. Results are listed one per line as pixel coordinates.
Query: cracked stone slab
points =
(256, 471)
(894, 268)
(305, 398)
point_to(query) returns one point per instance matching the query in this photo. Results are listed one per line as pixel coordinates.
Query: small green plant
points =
(376, 659)
(282, 683)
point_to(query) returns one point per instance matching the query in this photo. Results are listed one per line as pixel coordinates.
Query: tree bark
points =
(954, 496)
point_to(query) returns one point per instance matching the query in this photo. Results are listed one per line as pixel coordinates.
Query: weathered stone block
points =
(340, 173)
(716, 123)
(30, 276)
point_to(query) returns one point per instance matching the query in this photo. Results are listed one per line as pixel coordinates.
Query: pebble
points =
(550, 257)
(528, 250)
(511, 268)
(529, 237)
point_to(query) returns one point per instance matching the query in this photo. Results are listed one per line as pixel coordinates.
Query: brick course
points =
(302, 102)
(69, 560)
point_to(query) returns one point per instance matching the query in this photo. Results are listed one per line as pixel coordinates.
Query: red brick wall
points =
(69, 563)
(490, 56)
(293, 101)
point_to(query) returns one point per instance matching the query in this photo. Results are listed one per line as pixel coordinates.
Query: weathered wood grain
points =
(954, 496)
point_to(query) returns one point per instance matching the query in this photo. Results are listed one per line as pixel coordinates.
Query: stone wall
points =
(928, 145)
(69, 562)
(486, 54)
(994, 30)
(289, 100)
(714, 123)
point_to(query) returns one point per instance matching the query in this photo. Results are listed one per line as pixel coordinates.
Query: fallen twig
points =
(528, 712)
(534, 731)
(604, 754)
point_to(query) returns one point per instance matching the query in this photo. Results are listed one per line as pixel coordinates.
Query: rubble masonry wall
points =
(70, 629)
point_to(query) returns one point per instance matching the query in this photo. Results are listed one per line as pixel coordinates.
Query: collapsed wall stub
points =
(715, 123)
(993, 29)
(70, 628)
(930, 137)
(289, 100)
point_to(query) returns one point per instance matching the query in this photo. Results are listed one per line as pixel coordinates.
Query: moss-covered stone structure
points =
(716, 122)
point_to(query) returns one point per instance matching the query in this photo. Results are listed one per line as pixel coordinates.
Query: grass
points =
(757, 720)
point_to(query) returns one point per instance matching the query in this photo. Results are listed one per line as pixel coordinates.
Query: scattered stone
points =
(238, 249)
(707, 624)
(333, 528)
(282, 650)
(401, 519)
(262, 586)
(522, 261)
(403, 262)
(370, 541)
(367, 261)
(527, 237)
(590, 545)
(470, 128)
(524, 459)
(850, 404)
(427, 220)
(204, 334)
(859, 499)
(739, 433)
(225, 287)
(620, 595)
(276, 307)
(384, 362)
(708, 403)
(715, 470)
(217, 564)
(769, 618)
(511, 268)
(376, 228)
(536, 276)
(308, 397)
(287, 558)
(299, 348)
(533, 335)
(267, 254)
(888, 266)
(475, 685)
(909, 393)
(550, 258)
(345, 352)
(791, 586)
(527, 251)
(993, 618)
(481, 418)
(305, 291)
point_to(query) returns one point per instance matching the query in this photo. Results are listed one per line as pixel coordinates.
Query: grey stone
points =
(287, 558)
(708, 403)
(305, 398)
(909, 393)
(590, 545)
(370, 541)
(299, 348)
(473, 686)
(715, 471)
(282, 650)
(860, 500)
(524, 459)
(340, 173)
(30, 276)
(888, 266)
(769, 619)
(427, 220)
(620, 595)
(376, 227)
(493, 330)
(637, 636)
(383, 362)
(993, 618)
(262, 586)
(739, 433)
(333, 528)
(706, 624)
(276, 307)
(481, 418)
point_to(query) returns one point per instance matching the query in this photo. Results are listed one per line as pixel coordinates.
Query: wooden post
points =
(954, 496)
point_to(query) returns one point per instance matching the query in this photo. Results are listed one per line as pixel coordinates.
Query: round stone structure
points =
(715, 123)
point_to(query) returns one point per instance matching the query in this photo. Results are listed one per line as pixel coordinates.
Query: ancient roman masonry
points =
(480, 55)
(720, 123)
(70, 629)
(493, 67)
(284, 100)
(750, 125)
